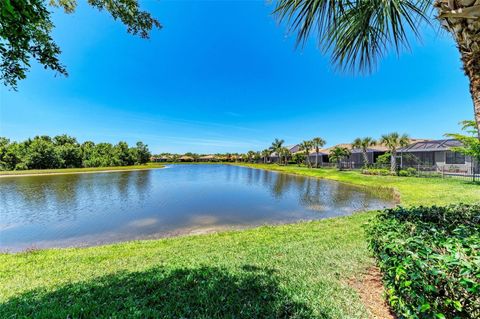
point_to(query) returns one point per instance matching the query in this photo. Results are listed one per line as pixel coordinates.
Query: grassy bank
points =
(60, 171)
(292, 271)
(410, 190)
(302, 270)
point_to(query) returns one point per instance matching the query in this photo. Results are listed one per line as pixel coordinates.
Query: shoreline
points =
(79, 171)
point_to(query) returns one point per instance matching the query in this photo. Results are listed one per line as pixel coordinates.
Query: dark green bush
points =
(430, 259)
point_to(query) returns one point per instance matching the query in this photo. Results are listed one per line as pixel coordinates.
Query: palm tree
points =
(393, 141)
(276, 146)
(265, 154)
(337, 154)
(317, 143)
(284, 152)
(358, 32)
(251, 156)
(306, 146)
(363, 144)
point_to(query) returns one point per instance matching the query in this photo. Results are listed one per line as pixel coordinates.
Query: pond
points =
(91, 209)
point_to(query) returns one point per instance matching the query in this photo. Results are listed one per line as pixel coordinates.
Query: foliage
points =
(410, 171)
(337, 154)
(26, 27)
(363, 144)
(305, 147)
(383, 159)
(430, 258)
(317, 142)
(63, 151)
(298, 158)
(356, 32)
(376, 171)
(393, 141)
(471, 142)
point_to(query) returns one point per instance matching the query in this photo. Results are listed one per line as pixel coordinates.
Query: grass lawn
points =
(300, 270)
(80, 170)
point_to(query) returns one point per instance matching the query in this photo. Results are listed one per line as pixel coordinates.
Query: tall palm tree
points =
(317, 143)
(337, 154)
(363, 144)
(276, 146)
(393, 141)
(306, 147)
(358, 32)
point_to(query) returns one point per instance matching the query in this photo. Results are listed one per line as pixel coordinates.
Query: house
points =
(159, 159)
(273, 158)
(208, 158)
(186, 158)
(356, 158)
(437, 154)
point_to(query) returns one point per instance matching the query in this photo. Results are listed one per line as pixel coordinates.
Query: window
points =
(455, 158)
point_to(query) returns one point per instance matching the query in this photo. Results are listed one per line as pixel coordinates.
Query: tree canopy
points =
(63, 151)
(26, 27)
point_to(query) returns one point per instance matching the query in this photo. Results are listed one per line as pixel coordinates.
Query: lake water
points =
(90, 209)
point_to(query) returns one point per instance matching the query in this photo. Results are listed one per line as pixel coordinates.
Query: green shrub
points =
(376, 171)
(408, 172)
(430, 259)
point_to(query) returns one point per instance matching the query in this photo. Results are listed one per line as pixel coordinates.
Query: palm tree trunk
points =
(316, 159)
(393, 162)
(462, 19)
(365, 159)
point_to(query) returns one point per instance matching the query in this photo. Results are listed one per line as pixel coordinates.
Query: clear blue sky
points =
(222, 76)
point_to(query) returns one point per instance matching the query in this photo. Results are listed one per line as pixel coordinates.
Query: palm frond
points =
(356, 32)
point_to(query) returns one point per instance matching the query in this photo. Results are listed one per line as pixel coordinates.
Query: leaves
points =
(25, 33)
(356, 32)
(430, 258)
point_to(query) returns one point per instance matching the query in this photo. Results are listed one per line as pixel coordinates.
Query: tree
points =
(265, 154)
(337, 154)
(142, 154)
(250, 156)
(283, 152)
(305, 147)
(471, 144)
(363, 144)
(298, 158)
(393, 141)
(26, 27)
(317, 143)
(276, 146)
(69, 150)
(358, 32)
(42, 154)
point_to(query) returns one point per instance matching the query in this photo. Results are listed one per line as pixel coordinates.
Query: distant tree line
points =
(63, 151)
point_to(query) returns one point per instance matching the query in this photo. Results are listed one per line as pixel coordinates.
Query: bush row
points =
(430, 258)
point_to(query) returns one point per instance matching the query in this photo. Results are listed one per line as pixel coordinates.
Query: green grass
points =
(79, 170)
(290, 271)
(410, 190)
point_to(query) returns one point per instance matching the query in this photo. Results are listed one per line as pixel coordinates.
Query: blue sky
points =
(222, 76)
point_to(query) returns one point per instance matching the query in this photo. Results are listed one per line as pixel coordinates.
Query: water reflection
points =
(87, 209)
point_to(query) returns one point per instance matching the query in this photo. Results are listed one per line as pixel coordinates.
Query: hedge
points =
(430, 260)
